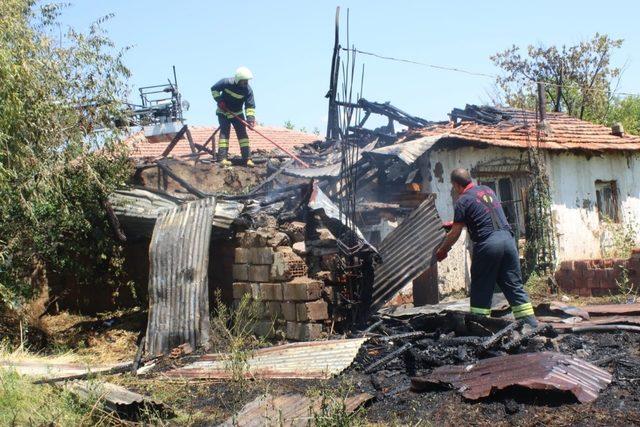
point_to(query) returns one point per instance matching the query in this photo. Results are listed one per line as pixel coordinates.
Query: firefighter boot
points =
(530, 320)
(246, 156)
(223, 152)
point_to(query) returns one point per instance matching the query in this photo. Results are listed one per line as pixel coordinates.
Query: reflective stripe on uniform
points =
(229, 115)
(251, 111)
(481, 311)
(522, 310)
(244, 142)
(224, 143)
(216, 93)
(235, 95)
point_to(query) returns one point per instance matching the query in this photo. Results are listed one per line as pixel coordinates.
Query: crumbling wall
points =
(598, 277)
(267, 268)
(454, 271)
(572, 179)
(574, 205)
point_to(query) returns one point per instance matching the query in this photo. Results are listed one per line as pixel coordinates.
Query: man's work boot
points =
(223, 152)
(246, 156)
(530, 320)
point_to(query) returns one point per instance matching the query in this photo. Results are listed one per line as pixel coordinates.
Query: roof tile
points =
(143, 148)
(565, 133)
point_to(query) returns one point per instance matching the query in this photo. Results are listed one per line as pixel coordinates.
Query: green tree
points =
(289, 125)
(578, 78)
(626, 111)
(59, 157)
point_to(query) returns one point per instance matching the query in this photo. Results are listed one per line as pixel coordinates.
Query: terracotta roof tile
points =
(565, 133)
(143, 148)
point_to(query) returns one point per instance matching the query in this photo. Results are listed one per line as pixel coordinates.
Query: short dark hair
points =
(461, 177)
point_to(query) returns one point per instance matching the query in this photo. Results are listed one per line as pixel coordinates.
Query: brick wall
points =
(268, 270)
(597, 277)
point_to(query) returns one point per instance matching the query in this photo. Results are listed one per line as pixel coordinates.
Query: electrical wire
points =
(478, 74)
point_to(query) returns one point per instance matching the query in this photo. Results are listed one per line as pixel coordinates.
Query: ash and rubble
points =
(288, 242)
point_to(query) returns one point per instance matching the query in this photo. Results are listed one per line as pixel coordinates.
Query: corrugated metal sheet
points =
(116, 398)
(287, 410)
(409, 151)
(319, 201)
(599, 320)
(407, 251)
(53, 369)
(498, 303)
(137, 210)
(309, 360)
(330, 166)
(543, 371)
(326, 171)
(607, 309)
(178, 284)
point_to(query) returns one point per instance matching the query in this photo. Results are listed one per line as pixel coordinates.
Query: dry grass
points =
(96, 339)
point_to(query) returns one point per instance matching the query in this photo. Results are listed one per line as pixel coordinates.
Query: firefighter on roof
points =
(231, 95)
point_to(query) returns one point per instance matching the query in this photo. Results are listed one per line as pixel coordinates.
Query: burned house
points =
(592, 173)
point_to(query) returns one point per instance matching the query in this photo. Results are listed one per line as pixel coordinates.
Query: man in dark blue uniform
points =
(495, 255)
(231, 95)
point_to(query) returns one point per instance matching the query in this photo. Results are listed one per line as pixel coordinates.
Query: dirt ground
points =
(207, 402)
(111, 337)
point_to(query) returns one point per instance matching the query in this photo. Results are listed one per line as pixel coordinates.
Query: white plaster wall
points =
(572, 181)
(574, 207)
(453, 272)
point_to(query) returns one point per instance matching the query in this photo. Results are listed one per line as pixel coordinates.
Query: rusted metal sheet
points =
(408, 251)
(612, 309)
(542, 371)
(287, 410)
(178, 282)
(137, 210)
(600, 320)
(54, 369)
(116, 398)
(308, 360)
(559, 309)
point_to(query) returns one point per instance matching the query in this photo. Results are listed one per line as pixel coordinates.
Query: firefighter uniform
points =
(495, 255)
(234, 97)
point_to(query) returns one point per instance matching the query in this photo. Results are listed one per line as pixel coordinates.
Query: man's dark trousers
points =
(496, 260)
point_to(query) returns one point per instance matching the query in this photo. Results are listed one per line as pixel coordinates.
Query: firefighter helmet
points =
(243, 73)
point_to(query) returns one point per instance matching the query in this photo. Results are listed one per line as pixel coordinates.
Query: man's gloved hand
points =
(447, 225)
(441, 253)
(251, 120)
(222, 105)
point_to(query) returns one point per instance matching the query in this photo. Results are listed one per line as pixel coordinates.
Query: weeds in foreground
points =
(537, 285)
(623, 238)
(23, 403)
(331, 408)
(627, 292)
(233, 333)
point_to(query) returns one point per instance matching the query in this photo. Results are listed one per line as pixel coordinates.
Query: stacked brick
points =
(267, 269)
(597, 277)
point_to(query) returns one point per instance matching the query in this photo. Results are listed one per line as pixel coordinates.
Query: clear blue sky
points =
(287, 45)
